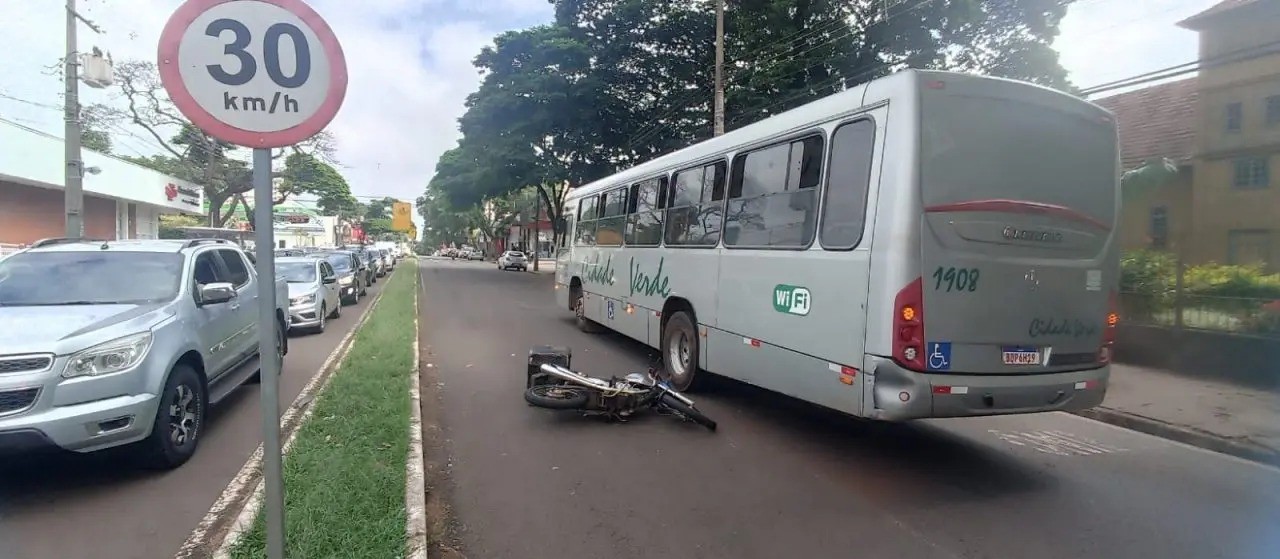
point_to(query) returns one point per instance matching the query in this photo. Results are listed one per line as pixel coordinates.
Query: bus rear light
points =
(908, 323)
(1109, 327)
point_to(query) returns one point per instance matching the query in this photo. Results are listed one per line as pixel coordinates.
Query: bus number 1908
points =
(955, 279)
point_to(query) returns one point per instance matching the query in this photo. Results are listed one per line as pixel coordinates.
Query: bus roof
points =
(805, 116)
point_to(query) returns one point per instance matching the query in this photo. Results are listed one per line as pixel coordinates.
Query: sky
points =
(410, 69)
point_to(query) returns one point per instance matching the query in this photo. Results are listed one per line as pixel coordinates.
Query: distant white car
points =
(513, 260)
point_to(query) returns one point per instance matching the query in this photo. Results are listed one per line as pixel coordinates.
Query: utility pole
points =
(74, 188)
(719, 99)
(537, 228)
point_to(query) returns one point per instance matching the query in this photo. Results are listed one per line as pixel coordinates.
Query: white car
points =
(513, 260)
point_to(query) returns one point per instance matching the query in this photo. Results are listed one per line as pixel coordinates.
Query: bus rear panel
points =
(1013, 308)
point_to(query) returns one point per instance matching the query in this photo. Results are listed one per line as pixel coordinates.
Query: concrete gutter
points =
(1240, 448)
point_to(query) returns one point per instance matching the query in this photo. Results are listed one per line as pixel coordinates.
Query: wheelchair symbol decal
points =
(938, 357)
(609, 308)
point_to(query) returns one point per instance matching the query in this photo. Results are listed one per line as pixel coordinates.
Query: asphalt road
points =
(92, 506)
(785, 479)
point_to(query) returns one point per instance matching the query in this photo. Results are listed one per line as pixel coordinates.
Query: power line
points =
(1238, 55)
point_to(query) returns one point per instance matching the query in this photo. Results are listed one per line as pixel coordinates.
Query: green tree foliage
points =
(611, 83)
(220, 167)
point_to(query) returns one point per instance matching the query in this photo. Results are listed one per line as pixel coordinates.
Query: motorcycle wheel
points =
(670, 402)
(557, 396)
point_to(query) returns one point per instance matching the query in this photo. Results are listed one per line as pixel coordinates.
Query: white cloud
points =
(409, 64)
(1107, 40)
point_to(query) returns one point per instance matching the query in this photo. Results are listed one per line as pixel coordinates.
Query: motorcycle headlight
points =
(303, 300)
(345, 280)
(114, 356)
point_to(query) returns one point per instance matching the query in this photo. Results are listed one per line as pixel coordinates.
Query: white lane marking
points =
(1052, 441)
(1131, 432)
(201, 535)
(415, 491)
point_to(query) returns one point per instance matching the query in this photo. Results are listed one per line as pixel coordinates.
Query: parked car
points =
(313, 292)
(476, 255)
(347, 267)
(513, 260)
(112, 343)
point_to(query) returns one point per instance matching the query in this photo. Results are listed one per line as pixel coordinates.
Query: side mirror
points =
(330, 279)
(217, 292)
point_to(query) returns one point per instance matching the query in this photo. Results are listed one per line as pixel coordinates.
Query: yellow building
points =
(1222, 130)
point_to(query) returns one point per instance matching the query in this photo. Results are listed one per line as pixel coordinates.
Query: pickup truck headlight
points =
(303, 300)
(115, 356)
(345, 280)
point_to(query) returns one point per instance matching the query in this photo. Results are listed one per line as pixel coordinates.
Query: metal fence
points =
(1236, 315)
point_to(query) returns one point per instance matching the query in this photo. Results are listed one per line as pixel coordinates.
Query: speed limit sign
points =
(257, 73)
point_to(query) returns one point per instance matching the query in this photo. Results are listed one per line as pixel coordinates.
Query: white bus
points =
(928, 244)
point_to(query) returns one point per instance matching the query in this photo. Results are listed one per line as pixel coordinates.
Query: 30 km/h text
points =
(258, 104)
(240, 40)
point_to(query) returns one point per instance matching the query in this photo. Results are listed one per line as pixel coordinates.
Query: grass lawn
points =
(345, 473)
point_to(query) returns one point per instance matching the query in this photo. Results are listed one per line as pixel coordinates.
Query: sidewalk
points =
(1216, 415)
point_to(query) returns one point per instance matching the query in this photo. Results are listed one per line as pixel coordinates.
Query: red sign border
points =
(171, 77)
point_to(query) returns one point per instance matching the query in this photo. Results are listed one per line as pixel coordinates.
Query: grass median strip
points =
(345, 474)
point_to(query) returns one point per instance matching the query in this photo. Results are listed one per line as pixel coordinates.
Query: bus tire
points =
(580, 313)
(680, 350)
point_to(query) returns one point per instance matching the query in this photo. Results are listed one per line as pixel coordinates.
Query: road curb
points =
(210, 538)
(415, 491)
(1193, 437)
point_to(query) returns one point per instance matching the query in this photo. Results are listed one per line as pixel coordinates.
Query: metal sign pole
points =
(264, 243)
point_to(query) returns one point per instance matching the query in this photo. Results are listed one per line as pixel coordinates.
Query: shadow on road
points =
(919, 457)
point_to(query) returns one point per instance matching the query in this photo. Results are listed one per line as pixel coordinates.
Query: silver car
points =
(313, 292)
(112, 343)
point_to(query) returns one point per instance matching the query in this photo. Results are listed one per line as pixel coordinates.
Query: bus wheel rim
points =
(679, 355)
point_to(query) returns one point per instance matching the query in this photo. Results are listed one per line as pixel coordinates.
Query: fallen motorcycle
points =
(553, 385)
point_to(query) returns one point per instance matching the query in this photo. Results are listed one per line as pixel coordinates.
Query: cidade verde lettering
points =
(644, 284)
(594, 272)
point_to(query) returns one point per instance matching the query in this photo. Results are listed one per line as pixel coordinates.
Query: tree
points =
(612, 83)
(190, 154)
(93, 133)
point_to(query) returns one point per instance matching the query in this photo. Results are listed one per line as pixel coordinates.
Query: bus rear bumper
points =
(899, 394)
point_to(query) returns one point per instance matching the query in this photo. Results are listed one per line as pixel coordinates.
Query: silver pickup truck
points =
(110, 343)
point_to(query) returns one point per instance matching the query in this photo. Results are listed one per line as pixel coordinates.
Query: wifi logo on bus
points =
(791, 299)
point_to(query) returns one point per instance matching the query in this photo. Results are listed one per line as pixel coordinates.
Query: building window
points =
(1249, 246)
(1273, 110)
(1251, 172)
(1235, 116)
(1159, 227)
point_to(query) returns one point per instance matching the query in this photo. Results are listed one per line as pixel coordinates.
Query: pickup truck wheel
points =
(179, 421)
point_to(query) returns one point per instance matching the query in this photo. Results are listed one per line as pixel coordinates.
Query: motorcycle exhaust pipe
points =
(565, 374)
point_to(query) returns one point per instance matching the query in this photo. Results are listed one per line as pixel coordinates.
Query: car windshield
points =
(89, 278)
(341, 262)
(297, 272)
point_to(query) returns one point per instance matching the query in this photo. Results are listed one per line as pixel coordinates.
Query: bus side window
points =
(772, 199)
(844, 209)
(586, 226)
(695, 216)
(613, 215)
(644, 224)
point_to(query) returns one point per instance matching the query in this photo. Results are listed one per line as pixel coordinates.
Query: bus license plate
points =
(1021, 356)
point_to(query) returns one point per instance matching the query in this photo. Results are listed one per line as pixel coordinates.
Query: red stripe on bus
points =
(1018, 207)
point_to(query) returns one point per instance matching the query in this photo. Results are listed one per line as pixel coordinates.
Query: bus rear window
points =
(984, 148)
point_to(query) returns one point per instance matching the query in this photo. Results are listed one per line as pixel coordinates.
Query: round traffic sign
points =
(258, 73)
